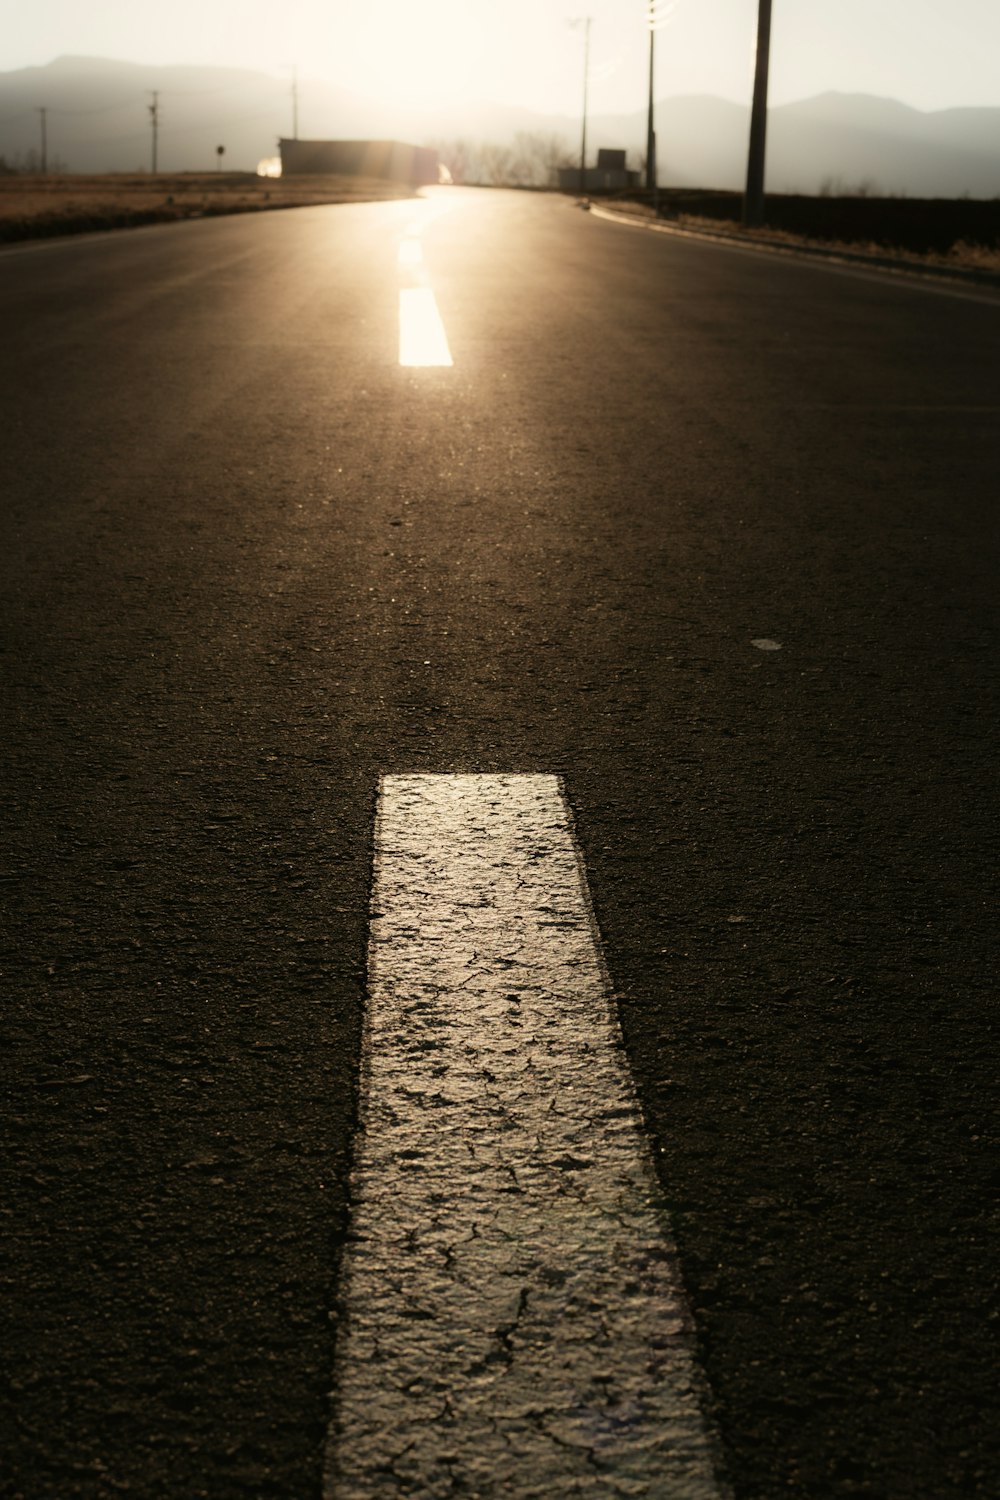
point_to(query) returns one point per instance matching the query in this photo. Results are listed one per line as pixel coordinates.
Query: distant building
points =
(391, 160)
(609, 176)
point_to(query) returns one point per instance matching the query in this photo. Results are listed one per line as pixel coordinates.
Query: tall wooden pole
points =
(586, 81)
(650, 127)
(753, 198)
(154, 120)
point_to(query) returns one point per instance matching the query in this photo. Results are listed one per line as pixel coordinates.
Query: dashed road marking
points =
(411, 253)
(511, 1320)
(422, 339)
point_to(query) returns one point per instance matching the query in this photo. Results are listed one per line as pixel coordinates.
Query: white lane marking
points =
(429, 211)
(411, 254)
(512, 1321)
(422, 339)
(764, 643)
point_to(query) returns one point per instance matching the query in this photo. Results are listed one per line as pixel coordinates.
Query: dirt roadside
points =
(964, 262)
(38, 207)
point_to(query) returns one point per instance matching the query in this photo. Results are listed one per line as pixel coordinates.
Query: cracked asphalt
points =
(511, 1321)
(249, 565)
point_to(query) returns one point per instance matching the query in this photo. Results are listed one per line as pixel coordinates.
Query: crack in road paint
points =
(513, 1322)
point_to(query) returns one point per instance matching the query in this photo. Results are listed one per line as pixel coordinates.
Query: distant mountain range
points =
(97, 119)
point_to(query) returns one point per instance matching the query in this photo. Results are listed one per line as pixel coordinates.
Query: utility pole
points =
(753, 198)
(154, 120)
(650, 130)
(658, 13)
(295, 102)
(45, 149)
(586, 79)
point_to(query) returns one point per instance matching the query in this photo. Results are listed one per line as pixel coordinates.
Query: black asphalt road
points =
(248, 564)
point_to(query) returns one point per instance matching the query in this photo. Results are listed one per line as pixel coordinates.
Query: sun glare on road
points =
(422, 339)
(411, 254)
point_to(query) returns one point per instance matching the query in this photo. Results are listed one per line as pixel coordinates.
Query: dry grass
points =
(979, 257)
(35, 207)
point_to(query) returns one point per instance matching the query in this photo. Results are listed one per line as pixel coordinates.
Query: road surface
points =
(711, 535)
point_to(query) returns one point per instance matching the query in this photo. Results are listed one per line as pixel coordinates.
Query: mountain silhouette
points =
(97, 120)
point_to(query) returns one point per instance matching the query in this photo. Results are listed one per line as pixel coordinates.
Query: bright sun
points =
(420, 53)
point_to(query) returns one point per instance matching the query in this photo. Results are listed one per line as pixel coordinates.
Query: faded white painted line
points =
(411, 254)
(422, 339)
(511, 1320)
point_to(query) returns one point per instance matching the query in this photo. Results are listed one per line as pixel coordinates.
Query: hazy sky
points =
(932, 54)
